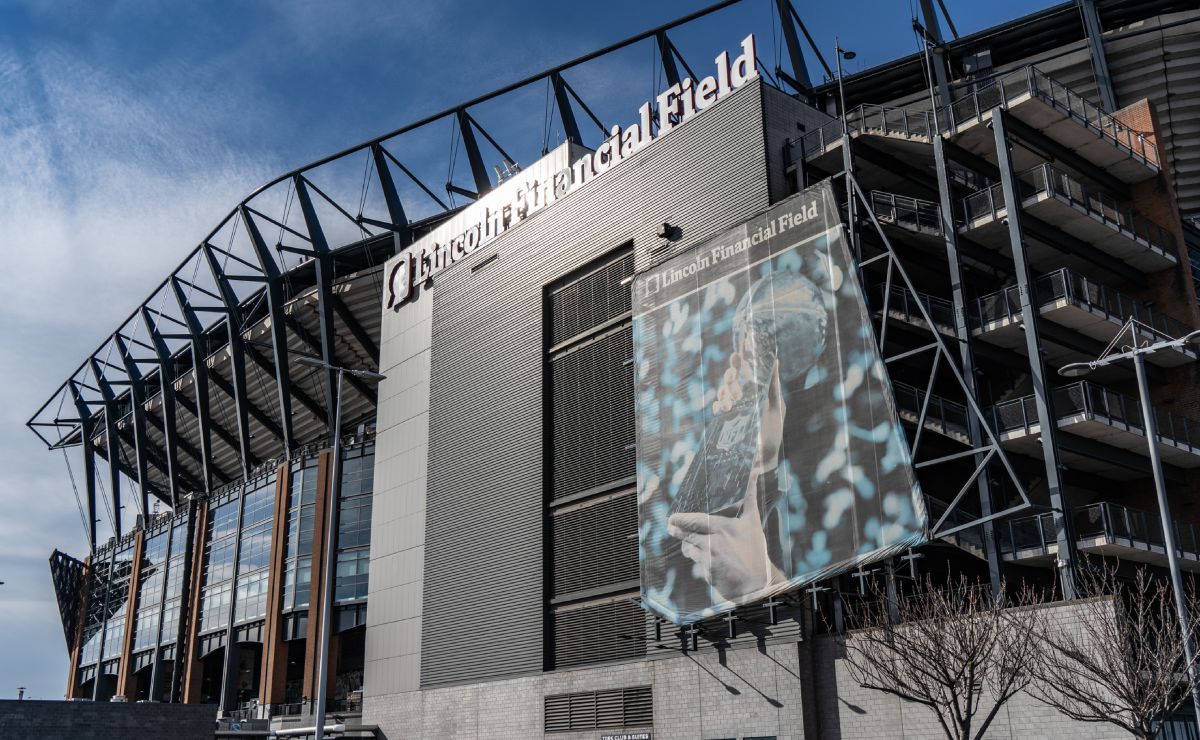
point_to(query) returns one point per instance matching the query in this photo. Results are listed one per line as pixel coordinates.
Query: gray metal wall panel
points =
(785, 119)
(484, 566)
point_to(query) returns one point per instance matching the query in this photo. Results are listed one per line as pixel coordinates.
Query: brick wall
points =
(1171, 293)
(86, 720)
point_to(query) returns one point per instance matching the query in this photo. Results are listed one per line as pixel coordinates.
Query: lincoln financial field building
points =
(658, 400)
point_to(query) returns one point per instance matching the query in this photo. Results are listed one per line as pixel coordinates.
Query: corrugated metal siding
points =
(486, 503)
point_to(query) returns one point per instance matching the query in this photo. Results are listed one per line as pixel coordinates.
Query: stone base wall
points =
(778, 690)
(87, 720)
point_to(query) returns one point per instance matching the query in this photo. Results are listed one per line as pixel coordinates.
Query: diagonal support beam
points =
(166, 381)
(478, 171)
(112, 443)
(137, 394)
(86, 427)
(275, 305)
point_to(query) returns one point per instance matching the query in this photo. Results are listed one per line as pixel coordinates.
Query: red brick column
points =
(77, 640)
(186, 652)
(275, 652)
(126, 686)
(320, 519)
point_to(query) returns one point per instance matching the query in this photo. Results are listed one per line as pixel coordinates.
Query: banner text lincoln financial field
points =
(769, 451)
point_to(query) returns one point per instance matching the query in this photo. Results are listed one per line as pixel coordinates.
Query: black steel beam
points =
(166, 381)
(323, 270)
(962, 329)
(387, 185)
(185, 479)
(667, 56)
(1046, 147)
(799, 78)
(361, 335)
(1095, 42)
(236, 389)
(565, 114)
(483, 183)
(1131, 460)
(112, 443)
(200, 408)
(275, 303)
(1042, 393)
(137, 395)
(89, 460)
(294, 390)
(367, 390)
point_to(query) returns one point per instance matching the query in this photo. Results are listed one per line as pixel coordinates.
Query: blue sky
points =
(130, 127)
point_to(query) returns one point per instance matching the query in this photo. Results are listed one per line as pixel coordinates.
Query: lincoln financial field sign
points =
(769, 452)
(560, 172)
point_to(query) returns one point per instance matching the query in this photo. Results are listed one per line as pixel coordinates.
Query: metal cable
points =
(87, 531)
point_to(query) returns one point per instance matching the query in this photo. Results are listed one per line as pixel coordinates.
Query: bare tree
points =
(1120, 659)
(947, 649)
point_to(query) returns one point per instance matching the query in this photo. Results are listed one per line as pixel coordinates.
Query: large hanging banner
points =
(770, 454)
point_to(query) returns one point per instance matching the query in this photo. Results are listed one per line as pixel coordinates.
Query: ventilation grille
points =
(593, 710)
(594, 428)
(596, 545)
(589, 301)
(611, 630)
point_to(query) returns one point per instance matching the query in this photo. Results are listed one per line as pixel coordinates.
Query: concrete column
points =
(126, 686)
(320, 519)
(185, 651)
(275, 654)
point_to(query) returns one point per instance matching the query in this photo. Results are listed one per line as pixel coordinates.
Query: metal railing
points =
(1096, 402)
(1137, 528)
(946, 417)
(903, 302)
(923, 216)
(1026, 533)
(1031, 81)
(1049, 179)
(880, 119)
(1065, 284)
(970, 538)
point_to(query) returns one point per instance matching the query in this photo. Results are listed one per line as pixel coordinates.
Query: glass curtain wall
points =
(302, 500)
(218, 562)
(354, 524)
(150, 588)
(254, 552)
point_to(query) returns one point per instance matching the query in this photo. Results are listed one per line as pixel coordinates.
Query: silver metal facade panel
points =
(484, 563)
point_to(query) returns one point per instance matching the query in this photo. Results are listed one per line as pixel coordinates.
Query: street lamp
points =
(1150, 426)
(847, 160)
(331, 529)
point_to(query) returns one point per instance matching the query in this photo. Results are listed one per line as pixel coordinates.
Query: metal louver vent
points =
(591, 299)
(614, 629)
(593, 710)
(596, 545)
(593, 417)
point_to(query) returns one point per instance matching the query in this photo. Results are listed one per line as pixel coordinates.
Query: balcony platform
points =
(1084, 306)
(1065, 203)
(1094, 412)
(1061, 115)
(1105, 529)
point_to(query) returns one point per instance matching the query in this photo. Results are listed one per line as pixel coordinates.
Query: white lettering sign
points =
(561, 172)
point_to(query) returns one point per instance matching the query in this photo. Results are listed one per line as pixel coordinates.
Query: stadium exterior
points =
(485, 508)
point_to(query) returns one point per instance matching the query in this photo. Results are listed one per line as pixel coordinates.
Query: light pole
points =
(328, 570)
(1150, 427)
(847, 160)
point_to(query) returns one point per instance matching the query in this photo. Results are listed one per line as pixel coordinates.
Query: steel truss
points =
(196, 387)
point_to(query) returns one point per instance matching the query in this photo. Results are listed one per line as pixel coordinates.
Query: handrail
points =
(1096, 401)
(869, 118)
(906, 212)
(949, 417)
(1047, 178)
(902, 302)
(1066, 284)
(1101, 519)
(1029, 80)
